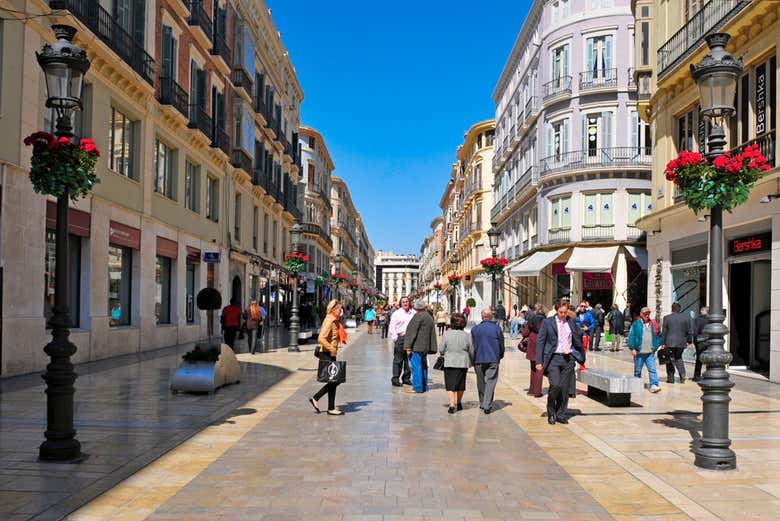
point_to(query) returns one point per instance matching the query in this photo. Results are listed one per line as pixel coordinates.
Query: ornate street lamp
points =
(493, 236)
(716, 76)
(295, 238)
(64, 66)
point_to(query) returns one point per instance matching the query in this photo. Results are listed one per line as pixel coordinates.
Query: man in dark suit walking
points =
(560, 345)
(677, 333)
(488, 341)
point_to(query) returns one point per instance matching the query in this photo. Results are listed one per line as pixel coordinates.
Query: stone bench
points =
(615, 387)
(304, 336)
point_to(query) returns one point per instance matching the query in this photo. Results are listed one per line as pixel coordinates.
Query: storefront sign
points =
(211, 256)
(761, 79)
(167, 248)
(596, 281)
(559, 268)
(750, 244)
(193, 255)
(78, 222)
(123, 235)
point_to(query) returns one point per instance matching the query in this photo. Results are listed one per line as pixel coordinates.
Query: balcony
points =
(220, 140)
(241, 80)
(766, 144)
(315, 229)
(220, 49)
(291, 206)
(634, 157)
(266, 182)
(558, 88)
(242, 160)
(199, 20)
(172, 94)
(105, 27)
(556, 235)
(600, 79)
(258, 104)
(598, 232)
(200, 119)
(710, 18)
(529, 177)
(531, 111)
(634, 233)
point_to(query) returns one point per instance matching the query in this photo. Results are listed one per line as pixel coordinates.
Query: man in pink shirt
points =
(398, 322)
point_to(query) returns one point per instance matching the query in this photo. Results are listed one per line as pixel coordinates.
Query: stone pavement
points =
(396, 456)
(125, 418)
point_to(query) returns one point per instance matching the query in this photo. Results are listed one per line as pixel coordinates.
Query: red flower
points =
(39, 137)
(87, 145)
(720, 162)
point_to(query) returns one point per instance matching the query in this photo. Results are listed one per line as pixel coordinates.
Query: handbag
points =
(523, 345)
(334, 372)
(664, 355)
(439, 364)
(317, 351)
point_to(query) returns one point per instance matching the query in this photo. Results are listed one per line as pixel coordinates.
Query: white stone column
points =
(621, 281)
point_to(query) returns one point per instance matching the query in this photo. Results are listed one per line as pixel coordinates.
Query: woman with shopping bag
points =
(330, 371)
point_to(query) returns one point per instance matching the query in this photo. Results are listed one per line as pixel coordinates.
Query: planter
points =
(207, 377)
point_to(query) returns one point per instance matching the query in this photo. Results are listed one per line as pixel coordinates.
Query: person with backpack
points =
(644, 339)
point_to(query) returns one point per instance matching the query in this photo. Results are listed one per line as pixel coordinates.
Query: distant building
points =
(396, 275)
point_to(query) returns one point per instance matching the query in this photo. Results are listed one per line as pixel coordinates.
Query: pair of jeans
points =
(251, 339)
(677, 362)
(559, 373)
(401, 362)
(514, 326)
(646, 359)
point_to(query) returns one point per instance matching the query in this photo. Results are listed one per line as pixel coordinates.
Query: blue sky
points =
(392, 86)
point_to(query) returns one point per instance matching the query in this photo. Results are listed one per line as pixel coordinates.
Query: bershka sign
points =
(761, 79)
(750, 244)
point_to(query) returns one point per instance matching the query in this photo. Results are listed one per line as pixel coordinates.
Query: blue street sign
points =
(211, 256)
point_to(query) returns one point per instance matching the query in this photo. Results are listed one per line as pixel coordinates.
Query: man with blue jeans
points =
(644, 339)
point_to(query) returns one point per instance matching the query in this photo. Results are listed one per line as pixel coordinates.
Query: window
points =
(255, 226)
(598, 56)
(190, 283)
(640, 135)
(691, 7)
(273, 238)
(644, 42)
(597, 138)
(162, 296)
(639, 205)
(131, 16)
(237, 218)
(212, 199)
(685, 132)
(312, 142)
(598, 209)
(560, 213)
(560, 10)
(164, 163)
(265, 233)
(557, 140)
(756, 105)
(74, 279)
(121, 149)
(169, 62)
(198, 91)
(310, 176)
(560, 64)
(120, 264)
(191, 186)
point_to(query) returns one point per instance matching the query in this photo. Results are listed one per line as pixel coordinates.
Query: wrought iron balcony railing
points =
(200, 18)
(242, 80)
(598, 79)
(598, 232)
(171, 93)
(219, 46)
(529, 177)
(766, 144)
(595, 158)
(220, 139)
(200, 119)
(555, 235)
(315, 229)
(711, 17)
(107, 29)
(241, 159)
(557, 87)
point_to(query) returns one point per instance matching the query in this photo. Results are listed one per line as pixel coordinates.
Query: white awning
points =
(531, 266)
(593, 260)
(639, 255)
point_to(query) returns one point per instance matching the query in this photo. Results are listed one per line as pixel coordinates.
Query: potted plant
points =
(494, 265)
(59, 165)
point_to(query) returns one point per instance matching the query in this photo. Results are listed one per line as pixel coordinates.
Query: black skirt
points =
(455, 378)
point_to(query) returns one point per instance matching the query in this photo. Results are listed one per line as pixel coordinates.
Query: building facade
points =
(465, 206)
(396, 275)
(317, 167)
(572, 157)
(194, 107)
(430, 261)
(677, 239)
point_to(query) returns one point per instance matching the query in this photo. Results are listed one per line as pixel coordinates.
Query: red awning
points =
(79, 222)
(167, 248)
(123, 235)
(193, 255)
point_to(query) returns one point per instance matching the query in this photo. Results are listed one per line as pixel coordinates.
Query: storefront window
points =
(162, 302)
(74, 270)
(689, 288)
(120, 261)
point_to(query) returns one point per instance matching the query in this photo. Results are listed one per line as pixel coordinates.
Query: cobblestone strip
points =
(140, 495)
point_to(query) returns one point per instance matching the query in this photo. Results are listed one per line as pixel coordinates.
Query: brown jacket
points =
(329, 336)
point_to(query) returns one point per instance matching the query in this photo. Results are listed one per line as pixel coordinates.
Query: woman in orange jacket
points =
(331, 335)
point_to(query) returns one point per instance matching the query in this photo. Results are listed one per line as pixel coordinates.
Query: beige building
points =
(465, 205)
(431, 260)
(677, 240)
(350, 241)
(196, 116)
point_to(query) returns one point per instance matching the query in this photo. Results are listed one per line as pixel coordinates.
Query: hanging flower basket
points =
(295, 262)
(337, 278)
(494, 265)
(58, 165)
(454, 280)
(437, 286)
(726, 182)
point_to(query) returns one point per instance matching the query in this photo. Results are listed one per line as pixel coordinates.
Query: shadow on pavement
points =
(354, 406)
(243, 411)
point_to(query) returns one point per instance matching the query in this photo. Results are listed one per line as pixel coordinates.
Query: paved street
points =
(398, 456)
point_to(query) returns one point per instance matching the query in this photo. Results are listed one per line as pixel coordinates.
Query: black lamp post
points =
(493, 235)
(64, 66)
(295, 238)
(716, 76)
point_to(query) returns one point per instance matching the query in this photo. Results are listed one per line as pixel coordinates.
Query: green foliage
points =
(470, 302)
(58, 166)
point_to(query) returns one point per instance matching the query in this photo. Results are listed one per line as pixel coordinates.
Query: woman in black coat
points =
(616, 321)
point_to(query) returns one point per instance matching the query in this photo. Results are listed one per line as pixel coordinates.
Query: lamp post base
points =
(715, 459)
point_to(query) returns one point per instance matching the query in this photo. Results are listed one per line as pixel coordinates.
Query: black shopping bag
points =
(333, 372)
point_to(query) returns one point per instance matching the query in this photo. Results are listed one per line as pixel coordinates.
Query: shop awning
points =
(531, 266)
(593, 260)
(639, 255)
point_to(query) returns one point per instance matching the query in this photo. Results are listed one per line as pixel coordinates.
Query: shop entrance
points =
(749, 297)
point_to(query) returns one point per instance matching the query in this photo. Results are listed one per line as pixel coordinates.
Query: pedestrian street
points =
(396, 456)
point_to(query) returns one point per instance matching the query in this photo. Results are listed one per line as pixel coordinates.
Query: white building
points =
(396, 275)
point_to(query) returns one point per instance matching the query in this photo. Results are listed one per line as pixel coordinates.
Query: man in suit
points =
(488, 341)
(558, 347)
(419, 342)
(677, 333)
